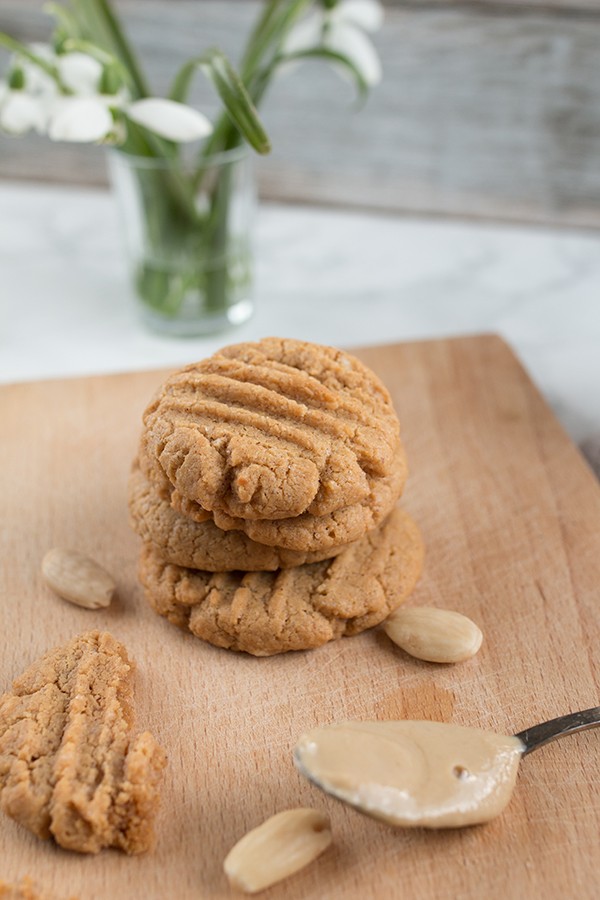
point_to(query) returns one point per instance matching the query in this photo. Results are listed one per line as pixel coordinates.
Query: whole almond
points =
(282, 845)
(435, 635)
(77, 578)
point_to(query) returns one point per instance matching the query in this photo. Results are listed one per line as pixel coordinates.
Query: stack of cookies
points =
(265, 492)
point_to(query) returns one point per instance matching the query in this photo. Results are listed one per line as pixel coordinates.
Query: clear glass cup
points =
(188, 234)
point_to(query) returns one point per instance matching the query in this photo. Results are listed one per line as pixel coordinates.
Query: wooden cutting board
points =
(511, 519)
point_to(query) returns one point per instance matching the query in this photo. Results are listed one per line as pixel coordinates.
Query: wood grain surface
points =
(510, 515)
(487, 108)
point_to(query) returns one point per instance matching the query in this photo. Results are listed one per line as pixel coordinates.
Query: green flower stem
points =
(270, 32)
(64, 18)
(103, 28)
(218, 248)
(123, 47)
(264, 25)
(172, 180)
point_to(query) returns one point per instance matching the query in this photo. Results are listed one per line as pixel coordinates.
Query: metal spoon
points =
(535, 737)
(425, 773)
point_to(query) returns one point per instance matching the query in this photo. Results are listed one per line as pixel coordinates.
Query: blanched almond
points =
(77, 578)
(282, 845)
(435, 635)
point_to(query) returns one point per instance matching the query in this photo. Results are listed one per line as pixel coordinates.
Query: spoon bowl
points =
(426, 774)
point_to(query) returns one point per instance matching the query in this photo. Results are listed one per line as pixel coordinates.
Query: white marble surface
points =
(335, 277)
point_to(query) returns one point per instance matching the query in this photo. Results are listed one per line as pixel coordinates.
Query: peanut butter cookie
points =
(264, 613)
(202, 545)
(306, 533)
(69, 765)
(274, 430)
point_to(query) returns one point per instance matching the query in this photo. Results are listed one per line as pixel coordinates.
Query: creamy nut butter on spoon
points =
(426, 774)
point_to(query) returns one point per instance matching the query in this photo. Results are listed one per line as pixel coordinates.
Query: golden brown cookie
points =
(293, 609)
(309, 533)
(306, 533)
(69, 765)
(274, 430)
(202, 545)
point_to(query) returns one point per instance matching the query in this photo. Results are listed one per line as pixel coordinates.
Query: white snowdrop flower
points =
(365, 14)
(44, 51)
(91, 118)
(19, 111)
(342, 29)
(354, 43)
(37, 81)
(79, 73)
(27, 107)
(306, 34)
(80, 120)
(171, 120)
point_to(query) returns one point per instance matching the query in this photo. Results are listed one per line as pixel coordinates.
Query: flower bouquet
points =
(184, 182)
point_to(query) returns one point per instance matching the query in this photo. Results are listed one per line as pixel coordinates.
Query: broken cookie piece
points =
(69, 765)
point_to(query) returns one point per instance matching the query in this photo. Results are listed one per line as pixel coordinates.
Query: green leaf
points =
(263, 48)
(331, 56)
(236, 100)
(230, 88)
(181, 83)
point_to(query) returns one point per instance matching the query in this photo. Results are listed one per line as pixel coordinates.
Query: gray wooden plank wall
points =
(487, 109)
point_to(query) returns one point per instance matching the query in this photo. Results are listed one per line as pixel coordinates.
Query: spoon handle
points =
(538, 735)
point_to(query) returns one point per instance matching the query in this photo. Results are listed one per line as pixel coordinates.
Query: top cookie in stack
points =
(270, 456)
(294, 444)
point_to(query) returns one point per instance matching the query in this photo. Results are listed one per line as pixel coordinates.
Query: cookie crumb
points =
(25, 890)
